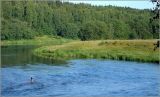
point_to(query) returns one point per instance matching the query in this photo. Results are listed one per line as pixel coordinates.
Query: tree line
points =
(27, 19)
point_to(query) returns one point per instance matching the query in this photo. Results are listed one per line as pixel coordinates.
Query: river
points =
(79, 77)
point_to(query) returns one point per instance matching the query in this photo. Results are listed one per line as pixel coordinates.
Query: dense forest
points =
(27, 19)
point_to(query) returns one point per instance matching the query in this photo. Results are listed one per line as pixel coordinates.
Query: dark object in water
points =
(31, 80)
(156, 45)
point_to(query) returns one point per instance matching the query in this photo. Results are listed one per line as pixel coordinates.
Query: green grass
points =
(130, 50)
(43, 40)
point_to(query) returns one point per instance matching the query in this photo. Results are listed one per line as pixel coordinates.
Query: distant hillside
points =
(27, 19)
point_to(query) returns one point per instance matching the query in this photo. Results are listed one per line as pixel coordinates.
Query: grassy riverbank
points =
(131, 50)
(43, 40)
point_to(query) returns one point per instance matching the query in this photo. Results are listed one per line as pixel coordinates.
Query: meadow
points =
(41, 40)
(129, 50)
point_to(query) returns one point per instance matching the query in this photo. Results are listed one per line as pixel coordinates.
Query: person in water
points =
(156, 45)
(31, 80)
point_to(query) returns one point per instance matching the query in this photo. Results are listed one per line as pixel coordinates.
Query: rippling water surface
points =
(81, 78)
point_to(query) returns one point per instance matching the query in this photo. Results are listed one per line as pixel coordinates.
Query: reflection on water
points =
(22, 55)
(76, 77)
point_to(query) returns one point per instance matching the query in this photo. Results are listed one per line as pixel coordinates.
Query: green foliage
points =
(71, 31)
(121, 29)
(93, 30)
(19, 30)
(27, 19)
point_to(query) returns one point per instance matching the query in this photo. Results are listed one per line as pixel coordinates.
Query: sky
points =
(139, 4)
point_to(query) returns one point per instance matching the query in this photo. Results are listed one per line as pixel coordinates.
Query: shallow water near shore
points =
(75, 77)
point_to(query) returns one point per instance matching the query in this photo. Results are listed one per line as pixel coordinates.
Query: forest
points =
(27, 19)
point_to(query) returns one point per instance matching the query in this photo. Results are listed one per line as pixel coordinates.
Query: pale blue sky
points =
(139, 4)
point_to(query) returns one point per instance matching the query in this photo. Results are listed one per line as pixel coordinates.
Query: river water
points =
(79, 77)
